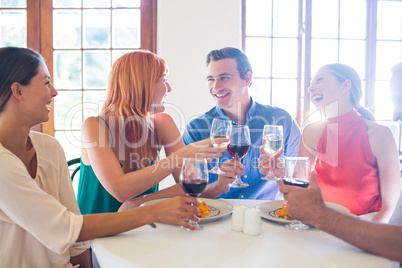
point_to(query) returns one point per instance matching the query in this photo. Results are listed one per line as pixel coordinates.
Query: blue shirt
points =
(257, 116)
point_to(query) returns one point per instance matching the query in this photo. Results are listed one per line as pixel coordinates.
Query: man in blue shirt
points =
(229, 77)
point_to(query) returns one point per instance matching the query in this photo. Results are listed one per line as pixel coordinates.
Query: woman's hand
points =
(267, 163)
(202, 149)
(175, 210)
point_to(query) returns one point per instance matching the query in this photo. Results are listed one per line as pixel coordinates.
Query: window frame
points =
(304, 75)
(40, 38)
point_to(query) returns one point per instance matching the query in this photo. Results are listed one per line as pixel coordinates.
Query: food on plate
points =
(204, 210)
(283, 212)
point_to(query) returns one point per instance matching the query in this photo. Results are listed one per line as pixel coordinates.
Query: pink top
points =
(346, 167)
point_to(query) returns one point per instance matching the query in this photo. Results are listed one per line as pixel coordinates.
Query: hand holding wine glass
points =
(297, 173)
(238, 147)
(194, 179)
(219, 129)
(272, 144)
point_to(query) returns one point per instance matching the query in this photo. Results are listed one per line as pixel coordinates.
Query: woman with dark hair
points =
(40, 222)
(355, 158)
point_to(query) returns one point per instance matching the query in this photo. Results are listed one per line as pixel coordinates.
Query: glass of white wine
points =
(219, 129)
(273, 143)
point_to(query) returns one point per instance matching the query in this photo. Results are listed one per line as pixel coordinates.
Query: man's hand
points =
(303, 204)
(231, 168)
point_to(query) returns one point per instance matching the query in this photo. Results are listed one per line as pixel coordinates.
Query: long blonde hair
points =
(343, 72)
(129, 98)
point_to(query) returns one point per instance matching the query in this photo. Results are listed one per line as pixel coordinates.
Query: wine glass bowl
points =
(219, 129)
(272, 144)
(194, 178)
(296, 173)
(238, 147)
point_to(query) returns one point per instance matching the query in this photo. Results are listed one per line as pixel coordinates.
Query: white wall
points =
(186, 31)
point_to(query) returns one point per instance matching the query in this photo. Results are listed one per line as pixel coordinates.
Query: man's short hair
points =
(243, 64)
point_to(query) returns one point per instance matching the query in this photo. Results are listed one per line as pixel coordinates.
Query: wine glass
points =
(219, 129)
(238, 147)
(297, 173)
(273, 143)
(194, 179)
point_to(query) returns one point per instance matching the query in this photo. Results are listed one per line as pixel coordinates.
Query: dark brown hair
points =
(243, 64)
(17, 64)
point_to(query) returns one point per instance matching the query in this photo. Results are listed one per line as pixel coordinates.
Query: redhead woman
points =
(40, 222)
(355, 158)
(120, 155)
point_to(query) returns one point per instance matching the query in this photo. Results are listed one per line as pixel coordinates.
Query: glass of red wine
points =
(297, 173)
(194, 179)
(238, 147)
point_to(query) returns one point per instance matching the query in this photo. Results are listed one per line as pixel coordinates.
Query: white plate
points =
(267, 210)
(219, 208)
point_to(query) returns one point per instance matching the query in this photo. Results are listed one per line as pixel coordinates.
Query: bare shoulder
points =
(380, 137)
(378, 131)
(93, 127)
(164, 121)
(91, 121)
(312, 133)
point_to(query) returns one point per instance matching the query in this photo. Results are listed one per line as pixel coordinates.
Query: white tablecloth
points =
(219, 246)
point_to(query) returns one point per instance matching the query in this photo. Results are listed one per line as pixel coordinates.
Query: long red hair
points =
(129, 98)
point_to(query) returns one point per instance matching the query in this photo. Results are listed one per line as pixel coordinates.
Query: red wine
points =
(193, 187)
(296, 182)
(237, 150)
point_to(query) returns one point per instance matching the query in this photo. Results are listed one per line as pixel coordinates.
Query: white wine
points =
(220, 144)
(273, 144)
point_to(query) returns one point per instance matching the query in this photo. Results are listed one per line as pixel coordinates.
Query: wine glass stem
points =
(217, 163)
(237, 178)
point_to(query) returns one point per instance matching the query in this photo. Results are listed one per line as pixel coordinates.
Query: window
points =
(79, 39)
(87, 37)
(13, 23)
(287, 41)
(271, 43)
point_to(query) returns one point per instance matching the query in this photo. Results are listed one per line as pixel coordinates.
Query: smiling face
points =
(161, 90)
(396, 94)
(225, 84)
(326, 89)
(37, 96)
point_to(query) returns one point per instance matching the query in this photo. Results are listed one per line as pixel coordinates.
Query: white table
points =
(219, 246)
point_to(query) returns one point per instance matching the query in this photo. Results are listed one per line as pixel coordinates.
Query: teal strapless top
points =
(92, 197)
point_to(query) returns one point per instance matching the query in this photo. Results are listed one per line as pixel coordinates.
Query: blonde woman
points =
(120, 146)
(356, 159)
